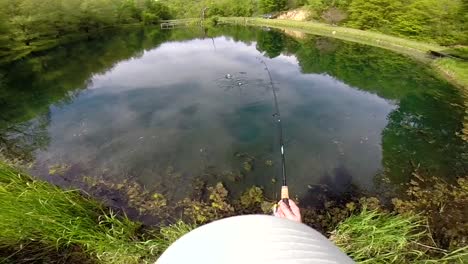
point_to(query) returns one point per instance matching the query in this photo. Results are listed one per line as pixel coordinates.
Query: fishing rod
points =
(277, 115)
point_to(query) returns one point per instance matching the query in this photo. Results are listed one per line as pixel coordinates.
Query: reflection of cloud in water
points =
(168, 108)
(176, 62)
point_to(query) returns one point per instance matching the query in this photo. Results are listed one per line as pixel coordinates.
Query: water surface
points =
(168, 107)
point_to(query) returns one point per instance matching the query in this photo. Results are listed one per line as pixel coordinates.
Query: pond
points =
(168, 107)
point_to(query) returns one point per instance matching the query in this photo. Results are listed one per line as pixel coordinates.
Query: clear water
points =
(168, 107)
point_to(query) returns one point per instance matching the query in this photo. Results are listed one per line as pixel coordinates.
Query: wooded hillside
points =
(31, 25)
(441, 21)
(27, 25)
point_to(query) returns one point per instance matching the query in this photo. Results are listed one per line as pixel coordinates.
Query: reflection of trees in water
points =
(19, 137)
(29, 87)
(19, 141)
(326, 45)
(422, 132)
(271, 42)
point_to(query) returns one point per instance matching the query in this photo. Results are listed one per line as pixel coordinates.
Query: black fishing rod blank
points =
(277, 115)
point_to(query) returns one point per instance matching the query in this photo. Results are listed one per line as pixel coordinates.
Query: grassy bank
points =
(413, 48)
(453, 70)
(456, 70)
(376, 237)
(41, 223)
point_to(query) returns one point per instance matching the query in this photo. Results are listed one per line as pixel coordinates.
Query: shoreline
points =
(80, 228)
(414, 49)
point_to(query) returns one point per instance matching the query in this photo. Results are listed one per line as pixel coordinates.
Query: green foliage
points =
(213, 21)
(438, 19)
(154, 11)
(373, 14)
(321, 5)
(194, 9)
(34, 25)
(291, 4)
(268, 6)
(441, 21)
(239, 8)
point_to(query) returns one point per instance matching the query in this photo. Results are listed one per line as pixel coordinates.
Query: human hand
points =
(290, 212)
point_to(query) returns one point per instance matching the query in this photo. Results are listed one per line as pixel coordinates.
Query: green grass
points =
(37, 213)
(454, 69)
(457, 51)
(377, 237)
(413, 48)
(40, 222)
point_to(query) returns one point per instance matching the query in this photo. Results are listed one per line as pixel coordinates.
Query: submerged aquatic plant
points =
(203, 211)
(253, 197)
(58, 169)
(445, 205)
(40, 222)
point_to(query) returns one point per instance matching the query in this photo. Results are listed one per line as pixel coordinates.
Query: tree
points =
(268, 6)
(374, 14)
(295, 3)
(321, 5)
(128, 12)
(154, 11)
(28, 25)
(334, 15)
(432, 19)
(241, 7)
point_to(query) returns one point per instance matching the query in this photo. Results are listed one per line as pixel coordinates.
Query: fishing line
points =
(277, 115)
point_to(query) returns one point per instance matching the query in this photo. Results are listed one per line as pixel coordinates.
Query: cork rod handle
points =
(285, 194)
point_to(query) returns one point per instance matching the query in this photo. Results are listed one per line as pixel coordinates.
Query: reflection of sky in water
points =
(174, 107)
